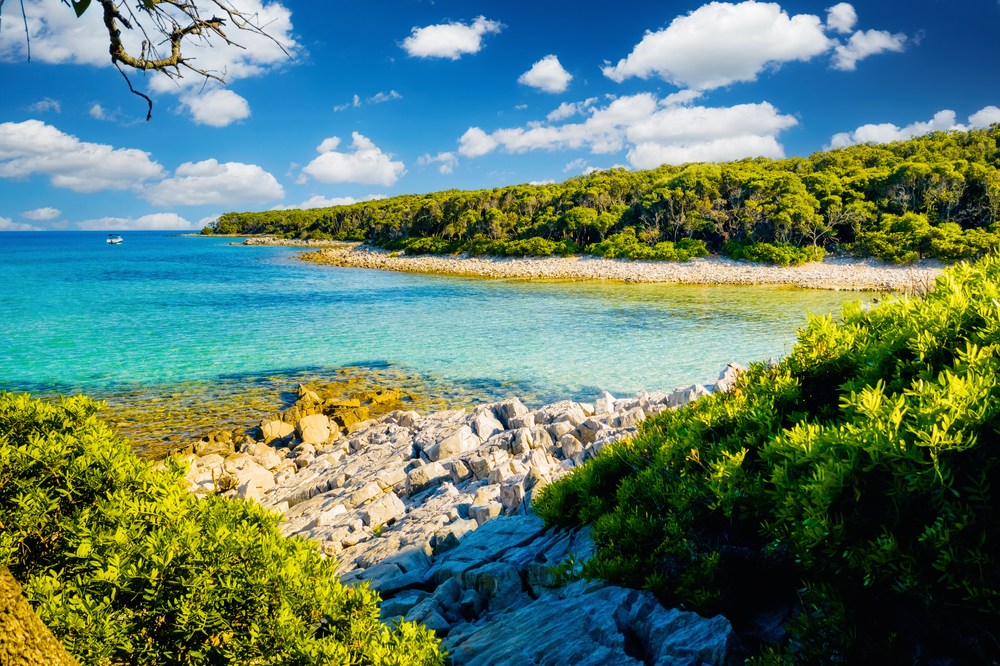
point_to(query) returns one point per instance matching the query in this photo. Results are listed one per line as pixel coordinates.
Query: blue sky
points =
(386, 98)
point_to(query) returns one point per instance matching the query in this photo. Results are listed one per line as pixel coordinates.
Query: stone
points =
(522, 441)
(458, 442)
(683, 396)
(436, 623)
(589, 431)
(570, 445)
(605, 403)
(728, 377)
(610, 626)
(631, 418)
(486, 544)
(560, 428)
(308, 395)
(385, 508)
(486, 512)
(472, 604)
(498, 583)
(499, 473)
(400, 606)
(508, 409)
(411, 560)
(402, 583)
(205, 448)
(364, 493)
(389, 478)
(408, 419)
(459, 472)
(485, 424)
(421, 478)
(480, 467)
(540, 438)
(451, 536)
(525, 421)
(271, 430)
(327, 518)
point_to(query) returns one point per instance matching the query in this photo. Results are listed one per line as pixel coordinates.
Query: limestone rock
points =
(485, 424)
(509, 409)
(271, 430)
(485, 512)
(728, 377)
(384, 509)
(605, 403)
(421, 478)
(683, 396)
(525, 421)
(460, 441)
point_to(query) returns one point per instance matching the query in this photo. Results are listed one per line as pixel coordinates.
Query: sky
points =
(375, 99)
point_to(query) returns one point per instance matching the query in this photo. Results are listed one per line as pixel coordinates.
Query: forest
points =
(936, 196)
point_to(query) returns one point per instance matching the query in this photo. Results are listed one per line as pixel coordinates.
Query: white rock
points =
(313, 429)
(605, 403)
(384, 509)
(275, 430)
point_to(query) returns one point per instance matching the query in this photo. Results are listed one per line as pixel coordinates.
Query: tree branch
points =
(149, 113)
(26, 35)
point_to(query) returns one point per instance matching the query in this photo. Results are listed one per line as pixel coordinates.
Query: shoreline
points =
(835, 273)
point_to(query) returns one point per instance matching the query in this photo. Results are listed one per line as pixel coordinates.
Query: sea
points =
(177, 334)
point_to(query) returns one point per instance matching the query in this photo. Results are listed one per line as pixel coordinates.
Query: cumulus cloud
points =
(59, 37)
(208, 182)
(366, 165)
(319, 201)
(568, 109)
(580, 163)
(549, 181)
(6, 224)
(449, 40)
(448, 161)
(47, 104)
(863, 44)
(721, 43)
(547, 75)
(941, 122)
(654, 130)
(42, 213)
(32, 147)
(841, 17)
(170, 221)
(216, 107)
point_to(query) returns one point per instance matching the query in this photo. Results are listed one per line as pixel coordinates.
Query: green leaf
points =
(80, 7)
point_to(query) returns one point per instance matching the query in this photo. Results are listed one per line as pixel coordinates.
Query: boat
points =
(114, 239)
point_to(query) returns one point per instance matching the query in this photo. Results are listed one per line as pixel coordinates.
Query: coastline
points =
(837, 273)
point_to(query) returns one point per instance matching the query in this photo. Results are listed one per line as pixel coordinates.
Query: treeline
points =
(933, 196)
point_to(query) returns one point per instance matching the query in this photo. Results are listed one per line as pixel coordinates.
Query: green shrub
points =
(780, 254)
(859, 471)
(126, 567)
(481, 246)
(319, 235)
(625, 245)
(358, 235)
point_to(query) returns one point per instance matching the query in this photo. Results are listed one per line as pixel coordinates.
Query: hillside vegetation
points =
(932, 196)
(851, 484)
(126, 567)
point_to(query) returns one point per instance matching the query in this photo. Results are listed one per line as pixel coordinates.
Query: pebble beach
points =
(835, 272)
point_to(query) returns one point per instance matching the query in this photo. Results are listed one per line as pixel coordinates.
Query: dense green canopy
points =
(937, 195)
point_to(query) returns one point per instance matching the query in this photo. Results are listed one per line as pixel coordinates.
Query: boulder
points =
(458, 442)
(271, 430)
(408, 419)
(508, 409)
(526, 421)
(560, 428)
(485, 512)
(683, 396)
(365, 493)
(728, 377)
(421, 478)
(497, 583)
(485, 424)
(385, 508)
(605, 403)
(314, 429)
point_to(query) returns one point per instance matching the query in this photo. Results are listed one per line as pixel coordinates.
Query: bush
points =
(482, 246)
(315, 234)
(780, 254)
(126, 567)
(625, 245)
(859, 471)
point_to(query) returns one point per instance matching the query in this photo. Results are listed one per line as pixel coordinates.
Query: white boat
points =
(114, 239)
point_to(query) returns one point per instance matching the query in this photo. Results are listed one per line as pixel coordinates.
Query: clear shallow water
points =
(160, 312)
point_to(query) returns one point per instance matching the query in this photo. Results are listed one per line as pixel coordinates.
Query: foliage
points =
(126, 567)
(781, 254)
(860, 471)
(858, 197)
(479, 246)
(625, 245)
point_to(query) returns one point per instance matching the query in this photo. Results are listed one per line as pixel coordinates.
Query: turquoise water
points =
(158, 312)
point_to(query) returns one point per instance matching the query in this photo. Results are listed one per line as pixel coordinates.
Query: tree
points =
(164, 25)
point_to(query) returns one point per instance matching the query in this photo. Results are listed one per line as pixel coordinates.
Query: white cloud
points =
(521, 107)
(841, 17)
(384, 97)
(97, 112)
(32, 147)
(985, 117)
(170, 221)
(887, 132)
(567, 109)
(580, 163)
(449, 40)
(721, 43)
(550, 181)
(208, 182)
(665, 130)
(341, 107)
(216, 107)
(448, 161)
(6, 224)
(547, 75)
(42, 214)
(367, 165)
(319, 201)
(46, 104)
(863, 44)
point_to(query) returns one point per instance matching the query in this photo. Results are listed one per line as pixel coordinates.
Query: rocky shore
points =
(846, 273)
(434, 512)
